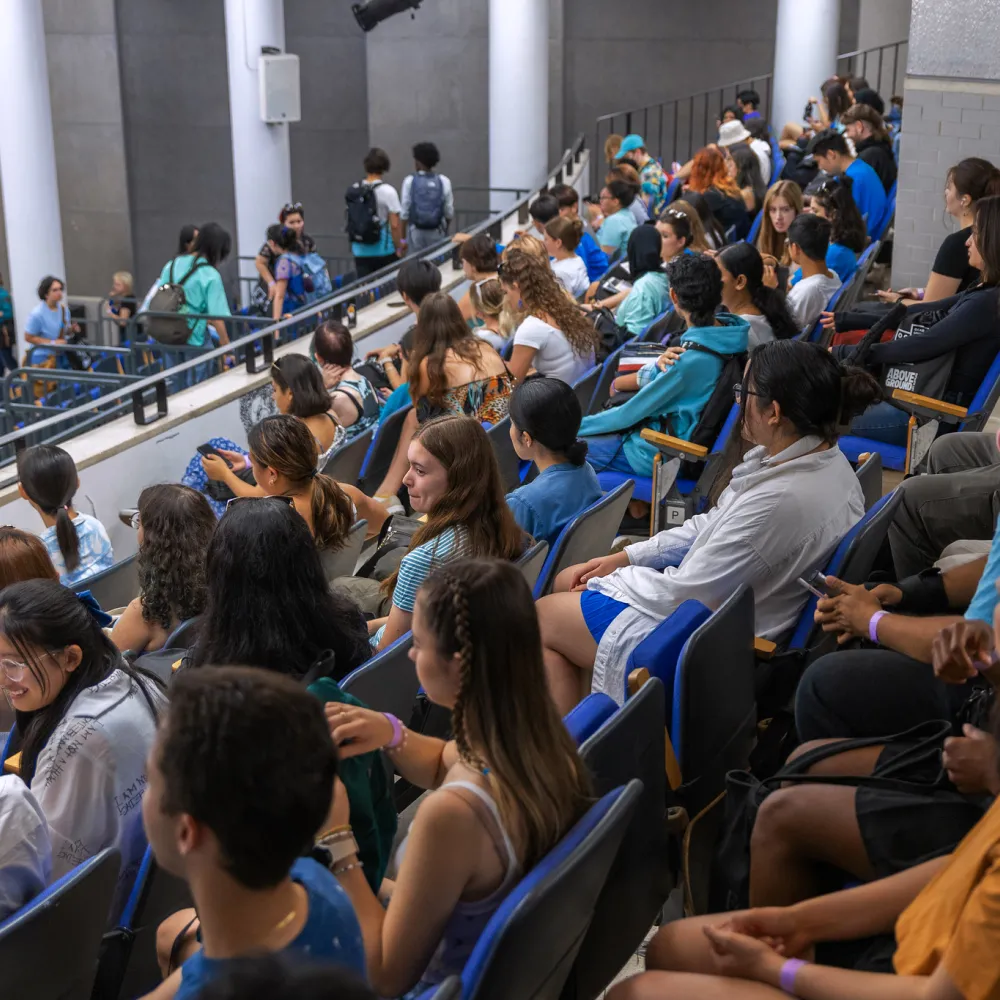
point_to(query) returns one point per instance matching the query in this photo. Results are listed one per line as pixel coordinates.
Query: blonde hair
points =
(769, 241)
(699, 244)
(489, 300)
(125, 277)
(611, 146)
(528, 244)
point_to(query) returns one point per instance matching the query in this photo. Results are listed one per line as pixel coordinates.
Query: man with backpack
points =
(373, 218)
(428, 200)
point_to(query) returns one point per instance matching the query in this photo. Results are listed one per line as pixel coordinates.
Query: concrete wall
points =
(175, 100)
(327, 146)
(82, 50)
(882, 22)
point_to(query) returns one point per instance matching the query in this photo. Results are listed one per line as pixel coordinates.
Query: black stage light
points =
(372, 12)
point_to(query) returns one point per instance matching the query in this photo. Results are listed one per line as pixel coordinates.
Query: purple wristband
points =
(873, 625)
(397, 731)
(789, 971)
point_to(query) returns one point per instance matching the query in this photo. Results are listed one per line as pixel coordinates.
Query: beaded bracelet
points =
(347, 868)
(344, 828)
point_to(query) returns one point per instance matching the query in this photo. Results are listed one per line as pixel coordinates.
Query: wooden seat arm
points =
(764, 648)
(12, 765)
(636, 680)
(913, 402)
(674, 446)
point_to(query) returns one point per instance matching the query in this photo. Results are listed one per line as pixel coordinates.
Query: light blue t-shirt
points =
(47, 323)
(204, 293)
(984, 601)
(869, 195)
(839, 259)
(616, 230)
(648, 298)
(331, 933)
(96, 554)
(552, 499)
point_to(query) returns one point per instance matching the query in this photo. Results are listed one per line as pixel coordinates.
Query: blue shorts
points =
(599, 611)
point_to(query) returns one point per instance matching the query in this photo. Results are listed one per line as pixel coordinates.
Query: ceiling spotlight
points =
(373, 12)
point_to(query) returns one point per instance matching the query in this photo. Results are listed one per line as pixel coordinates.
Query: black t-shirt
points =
(952, 260)
(729, 211)
(877, 153)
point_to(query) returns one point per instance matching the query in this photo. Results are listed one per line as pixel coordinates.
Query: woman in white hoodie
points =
(788, 505)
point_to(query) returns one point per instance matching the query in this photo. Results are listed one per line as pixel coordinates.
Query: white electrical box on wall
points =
(280, 100)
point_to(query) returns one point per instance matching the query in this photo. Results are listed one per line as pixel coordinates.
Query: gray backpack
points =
(170, 298)
(427, 201)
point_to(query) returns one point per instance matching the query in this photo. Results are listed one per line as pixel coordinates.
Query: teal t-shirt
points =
(648, 298)
(984, 601)
(616, 230)
(203, 291)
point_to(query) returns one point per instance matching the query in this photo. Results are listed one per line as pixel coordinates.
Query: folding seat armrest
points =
(764, 648)
(675, 447)
(636, 680)
(927, 406)
(12, 765)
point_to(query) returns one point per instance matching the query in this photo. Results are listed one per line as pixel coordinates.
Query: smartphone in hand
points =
(816, 584)
(207, 449)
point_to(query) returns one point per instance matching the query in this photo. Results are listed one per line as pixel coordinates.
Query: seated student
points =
(788, 505)
(748, 177)
(863, 125)
(672, 230)
(78, 544)
(542, 211)
(298, 390)
(638, 306)
(714, 235)
(120, 303)
(833, 155)
(175, 525)
(968, 329)
(490, 303)
(832, 201)
(627, 173)
(283, 457)
(589, 249)
(452, 371)
(808, 243)
(25, 851)
(745, 295)
(507, 788)
(967, 182)
(670, 400)
(237, 843)
(455, 480)
(562, 237)
(480, 261)
(616, 200)
(269, 978)
(355, 402)
(544, 423)
(555, 337)
(710, 177)
(23, 556)
(85, 720)
(782, 204)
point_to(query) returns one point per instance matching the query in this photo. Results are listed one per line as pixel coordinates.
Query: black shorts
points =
(871, 954)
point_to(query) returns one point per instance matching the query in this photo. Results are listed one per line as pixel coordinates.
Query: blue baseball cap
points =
(629, 144)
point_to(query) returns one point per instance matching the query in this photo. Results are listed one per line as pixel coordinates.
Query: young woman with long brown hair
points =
(455, 480)
(454, 371)
(508, 787)
(283, 456)
(555, 337)
(782, 205)
(713, 175)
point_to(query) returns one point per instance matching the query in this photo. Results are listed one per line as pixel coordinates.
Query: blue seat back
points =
(116, 587)
(183, 637)
(590, 534)
(586, 717)
(755, 227)
(503, 448)
(49, 948)
(388, 681)
(673, 188)
(661, 649)
(345, 463)
(985, 399)
(602, 388)
(852, 562)
(630, 745)
(816, 334)
(381, 450)
(529, 945)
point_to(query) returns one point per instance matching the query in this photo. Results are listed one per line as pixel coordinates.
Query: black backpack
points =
(611, 335)
(170, 298)
(716, 410)
(363, 223)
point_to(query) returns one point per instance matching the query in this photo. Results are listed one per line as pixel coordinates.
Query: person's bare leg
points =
(561, 584)
(681, 945)
(400, 463)
(568, 648)
(689, 986)
(861, 761)
(801, 831)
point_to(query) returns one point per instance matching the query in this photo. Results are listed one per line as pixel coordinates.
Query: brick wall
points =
(944, 121)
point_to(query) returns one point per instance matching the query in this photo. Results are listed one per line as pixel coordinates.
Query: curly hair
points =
(177, 525)
(543, 296)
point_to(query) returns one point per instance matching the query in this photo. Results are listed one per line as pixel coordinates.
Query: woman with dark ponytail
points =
(545, 420)
(744, 294)
(77, 543)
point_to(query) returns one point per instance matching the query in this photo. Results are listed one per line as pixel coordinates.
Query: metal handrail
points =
(265, 337)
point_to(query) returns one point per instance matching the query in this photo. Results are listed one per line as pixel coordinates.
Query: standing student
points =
(545, 420)
(374, 250)
(77, 543)
(589, 249)
(120, 304)
(749, 103)
(616, 201)
(49, 322)
(239, 845)
(8, 338)
(808, 243)
(292, 216)
(782, 204)
(562, 237)
(428, 204)
(833, 155)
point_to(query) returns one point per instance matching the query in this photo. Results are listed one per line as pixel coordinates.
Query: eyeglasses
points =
(280, 496)
(14, 669)
(129, 517)
(738, 392)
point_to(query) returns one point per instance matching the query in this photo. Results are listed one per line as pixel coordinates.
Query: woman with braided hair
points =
(555, 337)
(509, 785)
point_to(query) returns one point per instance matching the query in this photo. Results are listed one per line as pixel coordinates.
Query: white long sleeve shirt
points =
(779, 519)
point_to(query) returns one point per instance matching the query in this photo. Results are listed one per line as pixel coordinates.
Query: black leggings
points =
(871, 692)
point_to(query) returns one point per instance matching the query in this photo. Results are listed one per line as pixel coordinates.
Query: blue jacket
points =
(593, 256)
(679, 393)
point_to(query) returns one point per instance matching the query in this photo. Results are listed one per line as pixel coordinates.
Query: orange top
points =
(956, 918)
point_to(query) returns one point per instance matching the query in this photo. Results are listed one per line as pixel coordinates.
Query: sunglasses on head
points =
(292, 206)
(290, 501)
